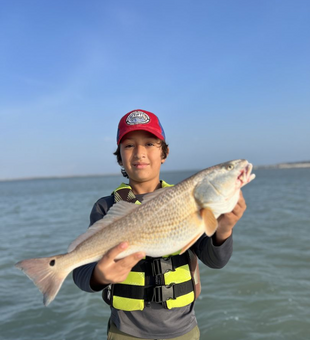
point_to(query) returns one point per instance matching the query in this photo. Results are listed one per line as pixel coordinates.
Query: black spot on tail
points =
(52, 263)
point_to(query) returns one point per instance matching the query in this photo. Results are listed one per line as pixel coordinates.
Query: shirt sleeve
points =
(213, 256)
(83, 274)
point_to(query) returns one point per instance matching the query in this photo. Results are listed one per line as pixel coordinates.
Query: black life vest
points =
(172, 280)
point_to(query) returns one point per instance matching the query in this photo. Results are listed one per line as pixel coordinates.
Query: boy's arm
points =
(211, 255)
(82, 276)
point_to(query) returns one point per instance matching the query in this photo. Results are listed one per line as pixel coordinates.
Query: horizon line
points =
(284, 165)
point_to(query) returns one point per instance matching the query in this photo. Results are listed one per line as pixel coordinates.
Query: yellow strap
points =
(123, 186)
(127, 304)
(179, 275)
(181, 301)
(127, 186)
(135, 279)
(165, 184)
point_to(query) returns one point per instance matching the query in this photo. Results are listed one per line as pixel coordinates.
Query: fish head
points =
(218, 187)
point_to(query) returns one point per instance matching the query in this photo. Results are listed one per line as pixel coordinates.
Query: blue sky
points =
(228, 79)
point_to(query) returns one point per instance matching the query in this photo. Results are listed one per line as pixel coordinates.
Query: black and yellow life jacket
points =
(172, 280)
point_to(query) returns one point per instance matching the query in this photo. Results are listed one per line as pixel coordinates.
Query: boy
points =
(141, 151)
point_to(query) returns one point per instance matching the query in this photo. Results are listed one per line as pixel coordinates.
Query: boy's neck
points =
(144, 187)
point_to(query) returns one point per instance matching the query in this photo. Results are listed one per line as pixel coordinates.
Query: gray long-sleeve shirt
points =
(155, 321)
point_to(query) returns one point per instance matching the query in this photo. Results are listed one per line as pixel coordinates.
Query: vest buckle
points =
(163, 293)
(161, 265)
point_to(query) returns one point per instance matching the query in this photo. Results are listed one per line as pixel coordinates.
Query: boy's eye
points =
(127, 146)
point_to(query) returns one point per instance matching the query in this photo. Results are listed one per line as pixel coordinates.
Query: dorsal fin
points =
(116, 212)
(153, 194)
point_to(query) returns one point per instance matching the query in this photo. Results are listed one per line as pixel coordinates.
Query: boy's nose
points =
(139, 151)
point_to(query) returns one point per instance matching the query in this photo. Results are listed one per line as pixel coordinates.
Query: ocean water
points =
(262, 293)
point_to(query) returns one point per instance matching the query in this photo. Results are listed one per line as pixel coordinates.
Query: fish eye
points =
(229, 167)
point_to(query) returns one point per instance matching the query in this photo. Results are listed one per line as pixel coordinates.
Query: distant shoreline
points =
(290, 165)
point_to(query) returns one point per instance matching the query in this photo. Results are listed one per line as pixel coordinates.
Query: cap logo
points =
(137, 117)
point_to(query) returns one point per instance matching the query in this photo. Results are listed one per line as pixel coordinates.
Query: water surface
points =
(262, 293)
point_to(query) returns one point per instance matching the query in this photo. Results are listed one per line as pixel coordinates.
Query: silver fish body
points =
(168, 220)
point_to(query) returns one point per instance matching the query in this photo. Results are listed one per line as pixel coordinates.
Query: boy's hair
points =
(117, 153)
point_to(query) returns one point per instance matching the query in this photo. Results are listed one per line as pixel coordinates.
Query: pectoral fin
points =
(210, 223)
(209, 220)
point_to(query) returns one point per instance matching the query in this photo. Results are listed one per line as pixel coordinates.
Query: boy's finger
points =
(112, 253)
(130, 260)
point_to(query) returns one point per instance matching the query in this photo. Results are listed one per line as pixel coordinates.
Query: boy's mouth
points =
(140, 165)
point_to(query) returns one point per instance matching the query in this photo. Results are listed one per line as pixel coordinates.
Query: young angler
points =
(144, 304)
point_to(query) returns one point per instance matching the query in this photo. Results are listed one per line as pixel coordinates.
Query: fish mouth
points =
(245, 175)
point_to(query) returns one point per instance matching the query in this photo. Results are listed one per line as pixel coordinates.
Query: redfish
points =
(169, 220)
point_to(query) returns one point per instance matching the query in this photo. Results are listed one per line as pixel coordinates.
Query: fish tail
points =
(46, 274)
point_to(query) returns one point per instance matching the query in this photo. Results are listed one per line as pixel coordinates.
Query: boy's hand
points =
(109, 270)
(226, 222)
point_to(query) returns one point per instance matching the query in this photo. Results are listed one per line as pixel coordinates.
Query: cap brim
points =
(140, 128)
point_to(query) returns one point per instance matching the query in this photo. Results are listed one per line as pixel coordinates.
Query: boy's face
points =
(141, 154)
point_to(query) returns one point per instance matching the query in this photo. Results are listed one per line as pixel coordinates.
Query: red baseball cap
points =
(140, 120)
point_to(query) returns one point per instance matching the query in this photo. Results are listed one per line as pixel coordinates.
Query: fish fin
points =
(209, 220)
(119, 210)
(153, 194)
(45, 274)
(116, 212)
(188, 245)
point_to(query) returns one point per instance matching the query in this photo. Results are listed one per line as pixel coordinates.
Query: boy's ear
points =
(164, 158)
